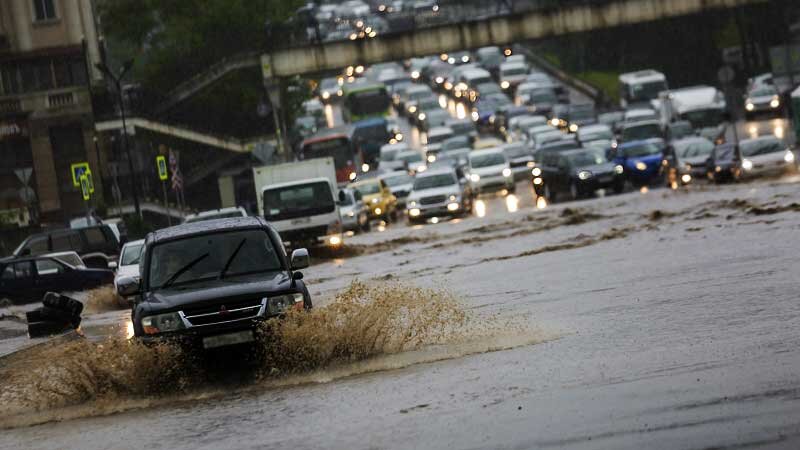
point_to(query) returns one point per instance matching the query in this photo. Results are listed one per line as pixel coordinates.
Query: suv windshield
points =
(589, 158)
(130, 255)
(694, 148)
(397, 180)
(761, 147)
(368, 188)
(492, 159)
(434, 181)
(210, 256)
(639, 132)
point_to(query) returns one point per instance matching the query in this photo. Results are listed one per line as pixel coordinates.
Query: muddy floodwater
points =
(658, 319)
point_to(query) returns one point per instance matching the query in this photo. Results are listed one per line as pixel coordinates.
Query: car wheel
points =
(619, 187)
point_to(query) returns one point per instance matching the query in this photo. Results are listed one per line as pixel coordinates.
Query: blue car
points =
(641, 161)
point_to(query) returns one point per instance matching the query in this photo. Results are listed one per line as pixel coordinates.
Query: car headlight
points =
(573, 128)
(555, 122)
(749, 106)
(412, 203)
(352, 176)
(326, 95)
(465, 58)
(351, 214)
(162, 323)
(415, 74)
(584, 174)
(474, 177)
(641, 166)
(686, 178)
(431, 158)
(747, 164)
(789, 156)
(506, 172)
(453, 198)
(439, 80)
(475, 116)
(452, 206)
(421, 117)
(378, 211)
(619, 169)
(414, 212)
(280, 303)
(422, 168)
(536, 172)
(375, 201)
(537, 181)
(365, 167)
(412, 109)
(505, 84)
(531, 164)
(776, 102)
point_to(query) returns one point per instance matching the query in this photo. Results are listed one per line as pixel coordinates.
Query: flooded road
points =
(654, 320)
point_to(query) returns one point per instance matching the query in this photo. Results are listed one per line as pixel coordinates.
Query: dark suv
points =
(209, 283)
(97, 245)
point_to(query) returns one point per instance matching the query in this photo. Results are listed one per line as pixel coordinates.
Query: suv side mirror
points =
(128, 286)
(299, 259)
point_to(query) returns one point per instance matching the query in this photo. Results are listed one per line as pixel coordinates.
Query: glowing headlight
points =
(375, 201)
(530, 164)
(505, 84)
(415, 74)
(339, 93)
(415, 212)
(453, 198)
(619, 169)
(536, 172)
(474, 177)
(641, 166)
(365, 167)
(351, 214)
(326, 95)
(162, 323)
(378, 211)
(686, 178)
(421, 169)
(399, 137)
(439, 80)
(747, 164)
(749, 106)
(776, 102)
(573, 128)
(412, 109)
(452, 206)
(352, 176)
(475, 116)
(584, 174)
(412, 203)
(537, 181)
(422, 116)
(448, 85)
(465, 59)
(788, 157)
(431, 158)
(280, 303)
(506, 172)
(554, 122)
(718, 169)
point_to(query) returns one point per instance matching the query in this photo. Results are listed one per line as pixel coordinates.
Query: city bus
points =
(364, 101)
(337, 144)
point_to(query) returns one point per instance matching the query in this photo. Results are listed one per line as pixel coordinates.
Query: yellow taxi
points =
(377, 198)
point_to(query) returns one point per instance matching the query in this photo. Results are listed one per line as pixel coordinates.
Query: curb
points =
(67, 336)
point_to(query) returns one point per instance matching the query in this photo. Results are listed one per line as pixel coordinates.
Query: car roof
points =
(204, 227)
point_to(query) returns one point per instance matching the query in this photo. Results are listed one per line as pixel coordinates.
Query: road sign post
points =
(161, 167)
(87, 195)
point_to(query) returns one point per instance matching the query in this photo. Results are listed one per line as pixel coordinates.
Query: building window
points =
(44, 10)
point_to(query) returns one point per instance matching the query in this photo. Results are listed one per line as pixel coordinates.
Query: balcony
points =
(56, 101)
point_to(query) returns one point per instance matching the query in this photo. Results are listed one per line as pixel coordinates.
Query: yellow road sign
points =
(161, 165)
(77, 170)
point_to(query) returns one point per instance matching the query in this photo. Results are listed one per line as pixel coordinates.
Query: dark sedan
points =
(579, 173)
(27, 279)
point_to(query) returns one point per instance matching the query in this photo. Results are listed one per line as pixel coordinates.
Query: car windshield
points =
(641, 132)
(640, 150)
(434, 181)
(761, 147)
(210, 256)
(581, 113)
(587, 158)
(694, 149)
(763, 92)
(487, 160)
(409, 157)
(397, 180)
(130, 254)
(646, 91)
(542, 96)
(368, 188)
(705, 118)
(302, 200)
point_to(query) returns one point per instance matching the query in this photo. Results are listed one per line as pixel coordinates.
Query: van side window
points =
(94, 236)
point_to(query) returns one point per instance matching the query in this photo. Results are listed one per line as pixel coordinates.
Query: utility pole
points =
(117, 79)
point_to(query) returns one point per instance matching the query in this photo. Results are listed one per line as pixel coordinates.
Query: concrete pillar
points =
(45, 170)
(227, 193)
(22, 18)
(91, 35)
(71, 15)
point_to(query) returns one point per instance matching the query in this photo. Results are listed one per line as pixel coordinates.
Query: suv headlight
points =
(506, 172)
(162, 323)
(747, 164)
(584, 174)
(475, 177)
(279, 304)
(618, 169)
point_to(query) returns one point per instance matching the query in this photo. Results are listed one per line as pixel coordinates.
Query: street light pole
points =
(118, 84)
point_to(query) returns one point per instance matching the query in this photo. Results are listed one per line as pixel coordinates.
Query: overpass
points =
(467, 28)
(500, 30)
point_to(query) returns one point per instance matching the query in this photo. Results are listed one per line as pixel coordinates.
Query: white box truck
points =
(300, 200)
(703, 106)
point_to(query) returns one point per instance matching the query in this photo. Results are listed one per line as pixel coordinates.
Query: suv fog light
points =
(452, 206)
(506, 172)
(414, 212)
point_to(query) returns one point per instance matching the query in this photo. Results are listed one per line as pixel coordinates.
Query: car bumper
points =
(600, 182)
(350, 223)
(489, 184)
(194, 337)
(776, 168)
(438, 210)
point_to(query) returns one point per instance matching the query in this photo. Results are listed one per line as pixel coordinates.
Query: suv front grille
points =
(226, 312)
(432, 200)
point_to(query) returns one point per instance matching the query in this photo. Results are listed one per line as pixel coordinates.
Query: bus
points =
(337, 144)
(368, 136)
(364, 101)
(640, 88)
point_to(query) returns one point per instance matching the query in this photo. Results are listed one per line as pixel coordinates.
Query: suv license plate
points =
(223, 340)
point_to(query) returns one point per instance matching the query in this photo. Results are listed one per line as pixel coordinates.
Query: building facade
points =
(48, 49)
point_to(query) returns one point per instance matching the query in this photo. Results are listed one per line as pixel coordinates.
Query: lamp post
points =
(117, 79)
